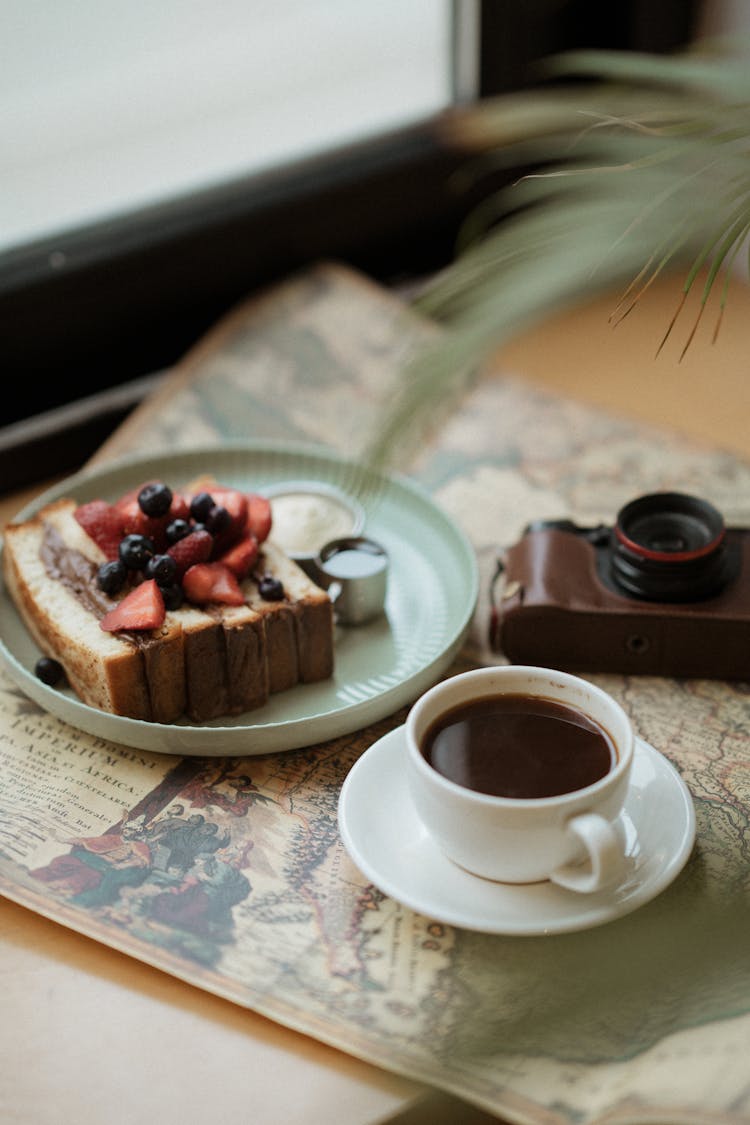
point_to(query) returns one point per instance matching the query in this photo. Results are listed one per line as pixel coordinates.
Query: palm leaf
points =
(646, 166)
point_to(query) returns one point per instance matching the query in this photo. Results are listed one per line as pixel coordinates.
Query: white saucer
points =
(386, 840)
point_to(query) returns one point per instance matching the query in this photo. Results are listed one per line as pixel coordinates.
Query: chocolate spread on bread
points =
(74, 570)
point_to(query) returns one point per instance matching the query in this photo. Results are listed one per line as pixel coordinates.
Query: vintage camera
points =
(665, 591)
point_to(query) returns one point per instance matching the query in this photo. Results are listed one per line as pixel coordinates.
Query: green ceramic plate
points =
(379, 667)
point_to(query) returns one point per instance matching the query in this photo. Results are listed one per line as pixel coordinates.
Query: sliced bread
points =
(203, 662)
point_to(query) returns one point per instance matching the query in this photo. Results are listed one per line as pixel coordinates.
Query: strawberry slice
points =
(179, 509)
(211, 582)
(136, 522)
(235, 503)
(258, 516)
(241, 557)
(128, 502)
(102, 523)
(194, 548)
(127, 497)
(142, 608)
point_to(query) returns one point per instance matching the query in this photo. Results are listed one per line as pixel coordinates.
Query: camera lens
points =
(669, 547)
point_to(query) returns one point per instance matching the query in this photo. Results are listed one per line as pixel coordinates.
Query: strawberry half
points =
(241, 558)
(258, 516)
(194, 548)
(211, 582)
(102, 523)
(142, 608)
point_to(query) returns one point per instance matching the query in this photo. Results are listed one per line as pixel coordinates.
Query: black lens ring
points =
(669, 547)
(700, 524)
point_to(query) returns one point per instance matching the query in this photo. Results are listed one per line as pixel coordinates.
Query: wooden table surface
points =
(705, 395)
(90, 1035)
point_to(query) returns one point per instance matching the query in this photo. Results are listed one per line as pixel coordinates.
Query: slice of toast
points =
(203, 662)
(49, 565)
(299, 627)
(199, 663)
(225, 661)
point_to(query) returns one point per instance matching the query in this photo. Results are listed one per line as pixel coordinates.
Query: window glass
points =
(105, 107)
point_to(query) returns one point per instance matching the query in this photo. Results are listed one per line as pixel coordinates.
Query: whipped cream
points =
(303, 521)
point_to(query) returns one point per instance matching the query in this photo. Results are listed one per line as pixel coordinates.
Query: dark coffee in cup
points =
(519, 746)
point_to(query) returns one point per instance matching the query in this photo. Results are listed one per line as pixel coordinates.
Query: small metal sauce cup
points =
(354, 571)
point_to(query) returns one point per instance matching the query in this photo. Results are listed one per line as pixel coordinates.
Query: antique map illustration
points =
(230, 873)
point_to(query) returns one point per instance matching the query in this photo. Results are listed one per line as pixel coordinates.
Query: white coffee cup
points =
(571, 838)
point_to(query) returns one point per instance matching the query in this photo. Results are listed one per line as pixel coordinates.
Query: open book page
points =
(230, 873)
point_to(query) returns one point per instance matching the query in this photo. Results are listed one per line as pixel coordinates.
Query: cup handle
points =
(604, 852)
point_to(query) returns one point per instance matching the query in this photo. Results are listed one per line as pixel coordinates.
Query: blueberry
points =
(176, 530)
(49, 671)
(111, 576)
(155, 499)
(163, 569)
(270, 589)
(218, 520)
(173, 596)
(136, 550)
(201, 505)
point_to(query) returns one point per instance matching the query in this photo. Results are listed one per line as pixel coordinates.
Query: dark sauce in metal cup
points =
(354, 570)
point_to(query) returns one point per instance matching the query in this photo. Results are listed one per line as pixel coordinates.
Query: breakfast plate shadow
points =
(379, 667)
(391, 847)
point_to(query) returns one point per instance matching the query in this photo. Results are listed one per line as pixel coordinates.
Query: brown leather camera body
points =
(557, 609)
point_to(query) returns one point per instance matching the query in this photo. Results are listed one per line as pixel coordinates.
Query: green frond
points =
(725, 76)
(648, 165)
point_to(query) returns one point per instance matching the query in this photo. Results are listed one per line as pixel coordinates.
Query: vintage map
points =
(231, 874)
